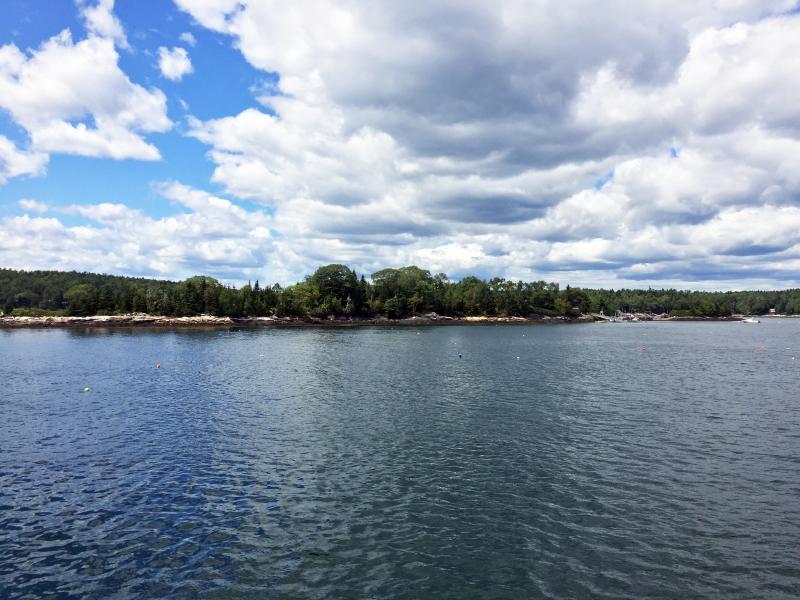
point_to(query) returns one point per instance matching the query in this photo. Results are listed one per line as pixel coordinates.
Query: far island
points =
(336, 295)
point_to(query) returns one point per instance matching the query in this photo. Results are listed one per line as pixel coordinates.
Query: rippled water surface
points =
(624, 460)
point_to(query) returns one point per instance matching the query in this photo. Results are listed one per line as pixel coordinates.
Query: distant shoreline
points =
(140, 320)
(208, 321)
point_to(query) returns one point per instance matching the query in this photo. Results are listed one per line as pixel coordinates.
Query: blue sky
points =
(650, 146)
(149, 25)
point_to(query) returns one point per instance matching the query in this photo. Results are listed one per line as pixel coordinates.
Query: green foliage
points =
(231, 303)
(294, 301)
(81, 300)
(337, 291)
(105, 300)
(394, 307)
(37, 312)
(334, 288)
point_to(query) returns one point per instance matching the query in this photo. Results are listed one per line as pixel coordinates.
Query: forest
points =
(338, 291)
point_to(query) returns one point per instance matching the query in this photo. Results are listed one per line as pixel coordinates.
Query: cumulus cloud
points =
(555, 139)
(15, 162)
(633, 143)
(101, 21)
(174, 63)
(72, 98)
(733, 75)
(500, 77)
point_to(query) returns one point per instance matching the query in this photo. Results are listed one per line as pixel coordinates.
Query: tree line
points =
(338, 291)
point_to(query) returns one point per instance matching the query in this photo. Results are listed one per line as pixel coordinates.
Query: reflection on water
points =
(630, 460)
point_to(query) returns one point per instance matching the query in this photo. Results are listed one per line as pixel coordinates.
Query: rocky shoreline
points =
(209, 321)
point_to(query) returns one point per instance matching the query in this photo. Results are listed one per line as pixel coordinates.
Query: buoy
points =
(87, 389)
(158, 365)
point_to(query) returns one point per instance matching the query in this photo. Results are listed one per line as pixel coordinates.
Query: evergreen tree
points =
(105, 299)
(81, 300)
(139, 302)
(211, 300)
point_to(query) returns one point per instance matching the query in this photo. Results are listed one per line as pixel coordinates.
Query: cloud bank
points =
(206, 234)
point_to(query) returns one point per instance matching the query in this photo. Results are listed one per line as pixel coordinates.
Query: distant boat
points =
(750, 320)
(609, 319)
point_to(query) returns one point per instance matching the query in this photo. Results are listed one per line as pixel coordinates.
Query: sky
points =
(614, 144)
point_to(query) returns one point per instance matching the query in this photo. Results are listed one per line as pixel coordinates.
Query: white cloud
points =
(390, 139)
(15, 162)
(101, 21)
(754, 80)
(73, 98)
(211, 235)
(32, 205)
(174, 63)
(188, 38)
(639, 143)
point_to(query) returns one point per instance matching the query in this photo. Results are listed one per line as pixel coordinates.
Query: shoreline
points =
(211, 322)
(140, 320)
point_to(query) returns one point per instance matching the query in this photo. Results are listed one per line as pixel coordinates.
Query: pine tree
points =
(105, 299)
(139, 301)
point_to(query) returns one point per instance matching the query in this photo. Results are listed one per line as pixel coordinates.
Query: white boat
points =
(606, 319)
(617, 318)
(750, 320)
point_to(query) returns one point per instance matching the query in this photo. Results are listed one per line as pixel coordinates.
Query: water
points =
(657, 460)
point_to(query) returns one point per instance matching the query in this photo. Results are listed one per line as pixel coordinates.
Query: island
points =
(335, 295)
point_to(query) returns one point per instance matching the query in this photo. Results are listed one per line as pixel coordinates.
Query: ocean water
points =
(649, 460)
